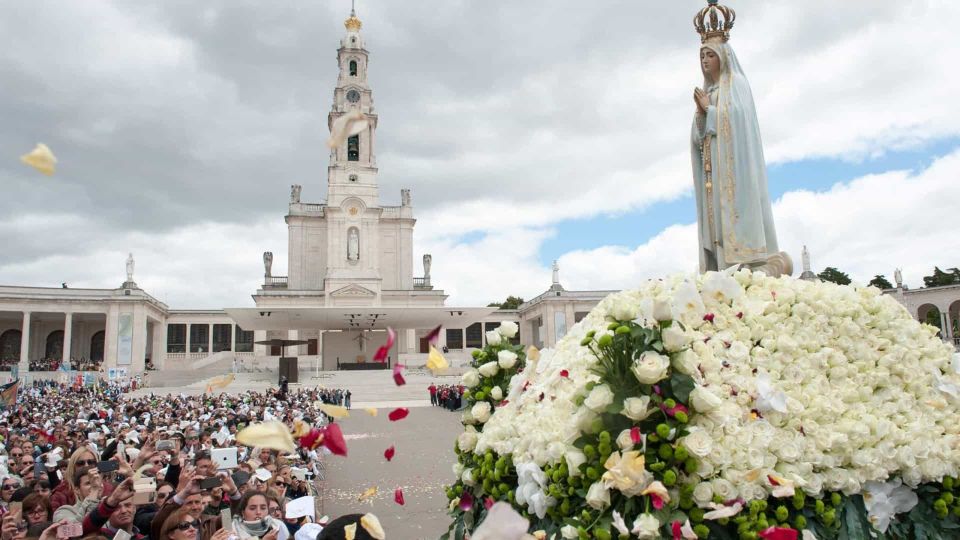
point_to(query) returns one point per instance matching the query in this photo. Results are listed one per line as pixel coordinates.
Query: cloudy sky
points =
(528, 131)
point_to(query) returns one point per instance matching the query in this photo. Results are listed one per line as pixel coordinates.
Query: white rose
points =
(481, 411)
(569, 532)
(724, 488)
(704, 400)
(599, 398)
(703, 494)
(506, 359)
(508, 329)
(661, 310)
(675, 339)
(624, 310)
(698, 443)
(496, 393)
(646, 526)
(687, 362)
(471, 378)
(637, 408)
(624, 440)
(489, 369)
(574, 458)
(598, 497)
(651, 367)
(467, 477)
(493, 338)
(458, 469)
(467, 440)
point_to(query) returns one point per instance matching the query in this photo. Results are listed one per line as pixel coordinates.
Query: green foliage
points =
(940, 278)
(833, 275)
(512, 302)
(880, 282)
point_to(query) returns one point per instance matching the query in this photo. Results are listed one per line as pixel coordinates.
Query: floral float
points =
(730, 405)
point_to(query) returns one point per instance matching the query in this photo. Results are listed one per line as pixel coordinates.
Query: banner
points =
(125, 339)
(8, 394)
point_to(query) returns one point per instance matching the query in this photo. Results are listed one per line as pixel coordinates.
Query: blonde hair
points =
(72, 463)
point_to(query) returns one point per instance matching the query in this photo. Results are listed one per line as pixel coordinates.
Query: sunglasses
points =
(9, 487)
(86, 462)
(187, 525)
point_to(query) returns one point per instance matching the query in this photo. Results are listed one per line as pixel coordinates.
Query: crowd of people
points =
(89, 462)
(448, 396)
(52, 364)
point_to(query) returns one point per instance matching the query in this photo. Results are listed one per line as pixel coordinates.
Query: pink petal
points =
(778, 533)
(656, 500)
(708, 317)
(635, 436)
(333, 439)
(382, 352)
(398, 497)
(675, 529)
(565, 374)
(398, 414)
(389, 452)
(488, 503)
(466, 501)
(398, 375)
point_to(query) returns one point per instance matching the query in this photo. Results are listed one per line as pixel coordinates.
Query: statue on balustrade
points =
(267, 263)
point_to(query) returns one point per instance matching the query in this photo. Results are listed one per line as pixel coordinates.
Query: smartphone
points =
(70, 530)
(226, 520)
(122, 535)
(108, 466)
(210, 483)
(37, 469)
(165, 444)
(16, 507)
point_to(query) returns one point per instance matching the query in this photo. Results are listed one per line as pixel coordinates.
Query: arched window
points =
(10, 347)
(353, 68)
(96, 346)
(353, 148)
(54, 348)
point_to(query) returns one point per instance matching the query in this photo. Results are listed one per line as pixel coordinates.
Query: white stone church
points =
(351, 264)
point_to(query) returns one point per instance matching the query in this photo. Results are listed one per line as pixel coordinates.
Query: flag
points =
(8, 394)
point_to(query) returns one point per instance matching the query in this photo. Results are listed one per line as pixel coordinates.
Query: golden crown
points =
(353, 23)
(714, 21)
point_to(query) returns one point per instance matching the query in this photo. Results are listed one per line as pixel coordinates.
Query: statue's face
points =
(710, 64)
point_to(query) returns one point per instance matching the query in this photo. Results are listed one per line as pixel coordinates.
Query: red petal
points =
(708, 317)
(635, 436)
(398, 497)
(503, 403)
(675, 528)
(488, 503)
(466, 501)
(333, 439)
(564, 373)
(388, 453)
(382, 352)
(398, 375)
(778, 533)
(311, 440)
(656, 500)
(434, 336)
(398, 414)
(772, 480)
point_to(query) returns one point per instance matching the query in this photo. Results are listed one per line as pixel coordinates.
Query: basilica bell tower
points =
(353, 166)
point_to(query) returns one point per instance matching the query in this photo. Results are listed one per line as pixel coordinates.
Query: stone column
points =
(210, 338)
(110, 338)
(945, 318)
(233, 337)
(291, 334)
(259, 350)
(159, 352)
(139, 343)
(67, 336)
(186, 344)
(25, 344)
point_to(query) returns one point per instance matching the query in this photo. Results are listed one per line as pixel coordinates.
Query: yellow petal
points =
(217, 383)
(41, 159)
(334, 410)
(273, 435)
(350, 531)
(372, 411)
(752, 475)
(369, 493)
(533, 353)
(436, 361)
(372, 526)
(347, 125)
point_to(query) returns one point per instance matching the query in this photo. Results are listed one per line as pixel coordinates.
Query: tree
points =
(880, 282)
(940, 278)
(512, 302)
(833, 275)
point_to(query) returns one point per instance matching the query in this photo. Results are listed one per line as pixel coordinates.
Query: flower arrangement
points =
(728, 405)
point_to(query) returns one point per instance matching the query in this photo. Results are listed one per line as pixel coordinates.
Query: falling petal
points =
(398, 375)
(41, 159)
(350, 531)
(502, 523)
(533, 353)
(334, 411)
(434, 335)
(311, 439)
(273, 435)
(347, 125)
(369, 493)
(372, 411)
(466, 501)
(398, 497)
(333, 440)
(382, 352)
(372, 525)
(398, 414)
(436, 361)
(389, 452)
(217, 383)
